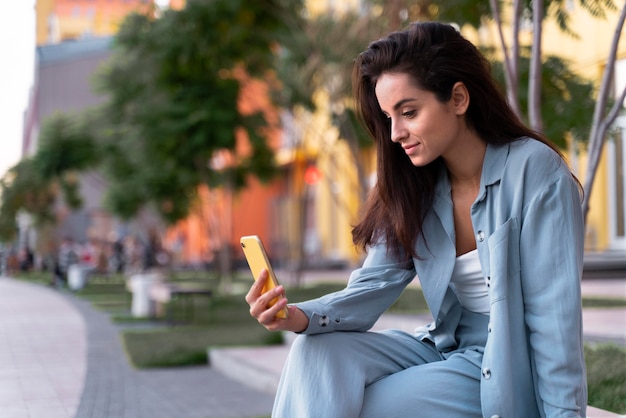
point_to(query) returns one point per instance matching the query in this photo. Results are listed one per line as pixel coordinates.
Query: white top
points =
(468, 283)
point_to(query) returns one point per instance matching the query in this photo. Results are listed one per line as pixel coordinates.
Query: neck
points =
(465, 164)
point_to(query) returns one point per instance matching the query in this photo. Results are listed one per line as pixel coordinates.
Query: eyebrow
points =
(401, 102)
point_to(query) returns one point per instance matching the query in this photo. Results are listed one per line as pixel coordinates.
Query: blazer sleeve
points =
(551, 256)
(370, 291)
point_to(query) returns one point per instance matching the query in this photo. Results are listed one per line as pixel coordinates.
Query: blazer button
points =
(486, 373)
(324, 321)
(480, 236)
(489, 327)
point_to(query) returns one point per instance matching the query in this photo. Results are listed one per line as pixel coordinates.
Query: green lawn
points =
(606, 376)
(225, 321)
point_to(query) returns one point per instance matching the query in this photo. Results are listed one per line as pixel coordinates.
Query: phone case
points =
(257, 259)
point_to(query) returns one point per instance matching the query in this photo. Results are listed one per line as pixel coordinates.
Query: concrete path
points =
(43, 350)
(59, 358)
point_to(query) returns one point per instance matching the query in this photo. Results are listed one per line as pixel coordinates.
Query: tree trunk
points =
(534, 81)
(509, 60)
(600, 124)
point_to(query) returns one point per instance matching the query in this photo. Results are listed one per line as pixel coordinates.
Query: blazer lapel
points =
(437, 250)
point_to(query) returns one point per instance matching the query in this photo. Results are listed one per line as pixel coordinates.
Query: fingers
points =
(257, 287)
(260, 302)
(268, 318)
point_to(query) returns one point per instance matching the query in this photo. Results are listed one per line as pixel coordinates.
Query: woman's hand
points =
(296, 320)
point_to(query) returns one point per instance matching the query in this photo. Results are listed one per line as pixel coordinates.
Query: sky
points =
(17, 46)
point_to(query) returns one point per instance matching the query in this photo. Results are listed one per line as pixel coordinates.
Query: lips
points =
(409, 148)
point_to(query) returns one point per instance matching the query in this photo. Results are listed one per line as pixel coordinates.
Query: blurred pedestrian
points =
(26, 259)
(67, 256)
(117, 260)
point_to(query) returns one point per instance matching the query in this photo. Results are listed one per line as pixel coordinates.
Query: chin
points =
(420, 161)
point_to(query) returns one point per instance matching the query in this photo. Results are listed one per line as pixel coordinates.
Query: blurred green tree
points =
(34, 184)
(173, 94)
(174, 87)
(568, 99)
(21, 188)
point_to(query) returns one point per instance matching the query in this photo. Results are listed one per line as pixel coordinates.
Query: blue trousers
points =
(383, 374)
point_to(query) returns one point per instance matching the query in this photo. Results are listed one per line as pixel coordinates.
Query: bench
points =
(163, 293)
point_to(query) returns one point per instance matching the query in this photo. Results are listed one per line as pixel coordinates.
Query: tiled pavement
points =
(42, 352)
(59, 358)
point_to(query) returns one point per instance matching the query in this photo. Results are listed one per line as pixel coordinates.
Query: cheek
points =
(443, 123)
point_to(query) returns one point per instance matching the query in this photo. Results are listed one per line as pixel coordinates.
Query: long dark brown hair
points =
(436, 56)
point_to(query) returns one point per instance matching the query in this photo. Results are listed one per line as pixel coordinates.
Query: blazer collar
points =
(493, 167)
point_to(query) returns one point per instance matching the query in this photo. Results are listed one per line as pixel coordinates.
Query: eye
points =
(409, 113)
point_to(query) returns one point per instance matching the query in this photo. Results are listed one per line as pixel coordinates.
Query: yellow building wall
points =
(58, 20)
(338, 201)
(336, 194)
(43, 9)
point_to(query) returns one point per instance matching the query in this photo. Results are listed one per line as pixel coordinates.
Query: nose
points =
(398, 131)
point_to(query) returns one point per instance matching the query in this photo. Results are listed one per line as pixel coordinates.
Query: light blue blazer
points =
(529, 233)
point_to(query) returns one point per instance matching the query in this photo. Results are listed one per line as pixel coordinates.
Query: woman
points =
(487, 215)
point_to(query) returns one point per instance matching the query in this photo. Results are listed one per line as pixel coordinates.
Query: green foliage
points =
(468, 12)
(596, 302)
(567, 99)
(23, 189)
(183, 346)
(174, 86)
(66, 146)
(474, 12)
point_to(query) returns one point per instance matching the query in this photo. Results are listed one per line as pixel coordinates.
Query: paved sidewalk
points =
(42, 352)
(59, 358)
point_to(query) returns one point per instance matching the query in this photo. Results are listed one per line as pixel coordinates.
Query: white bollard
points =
(76, 276)
(140, 284)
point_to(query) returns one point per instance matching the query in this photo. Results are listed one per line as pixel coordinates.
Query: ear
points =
(460, 98)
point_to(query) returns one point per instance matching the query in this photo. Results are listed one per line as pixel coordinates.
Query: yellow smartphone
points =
(257, 259)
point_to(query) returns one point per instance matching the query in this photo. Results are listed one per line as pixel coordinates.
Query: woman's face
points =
(425, 127)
